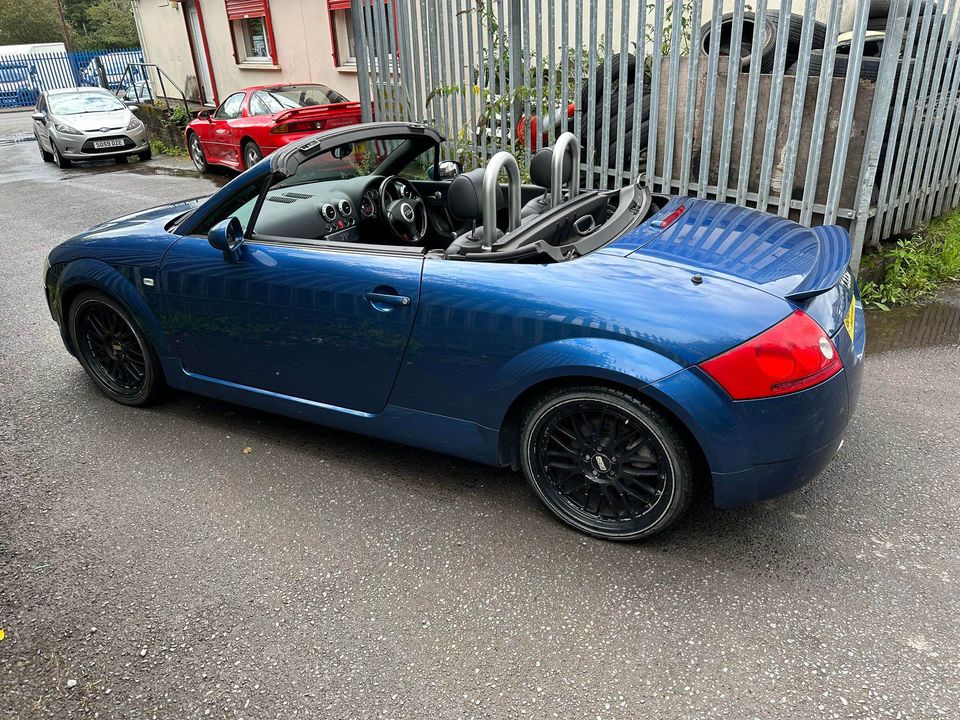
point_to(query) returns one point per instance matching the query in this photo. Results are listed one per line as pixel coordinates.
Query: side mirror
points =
(227, 236)
(204, 115)
(132, 104)
(39, 116)
(448, 170)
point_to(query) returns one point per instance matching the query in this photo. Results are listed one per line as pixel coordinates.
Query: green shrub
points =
(917, 266)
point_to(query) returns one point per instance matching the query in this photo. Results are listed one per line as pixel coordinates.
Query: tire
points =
(145, 155)
(113, 350)
(767, 51)
(196, 153)
(596, 86)
(795, 33)
(587, 484)
(62, 162)
(251, 154)
(47, 156)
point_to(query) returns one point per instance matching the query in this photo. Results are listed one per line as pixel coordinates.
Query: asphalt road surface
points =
(151, 568)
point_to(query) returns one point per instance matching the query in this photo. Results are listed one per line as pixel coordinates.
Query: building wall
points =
(301, 30)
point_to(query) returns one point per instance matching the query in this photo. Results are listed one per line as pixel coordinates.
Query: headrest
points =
(541, 167)
(465, 196)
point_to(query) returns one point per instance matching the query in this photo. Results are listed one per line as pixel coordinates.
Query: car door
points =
(220, 145)
(320, 323)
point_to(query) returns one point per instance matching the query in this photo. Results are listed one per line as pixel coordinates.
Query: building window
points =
(341, 28)
(250, 36)
(251, 31)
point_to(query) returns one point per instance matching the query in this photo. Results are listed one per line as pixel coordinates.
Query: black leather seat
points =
(465, 202)
(541, 173)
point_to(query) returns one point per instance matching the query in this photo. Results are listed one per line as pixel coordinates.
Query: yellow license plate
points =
(849, 322)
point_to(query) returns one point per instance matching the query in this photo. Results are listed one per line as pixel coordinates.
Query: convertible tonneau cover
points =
(781, 256)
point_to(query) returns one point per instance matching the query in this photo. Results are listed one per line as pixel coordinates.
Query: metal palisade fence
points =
(24, 76)
(825, 111)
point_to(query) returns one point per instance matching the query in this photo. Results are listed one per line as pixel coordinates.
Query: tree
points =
(107, 24)
(29, 22)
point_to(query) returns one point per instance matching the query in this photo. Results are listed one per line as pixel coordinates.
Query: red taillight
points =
(297, 127)
(793, 355)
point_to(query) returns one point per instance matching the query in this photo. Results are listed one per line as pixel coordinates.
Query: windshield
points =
(289, 97)
(83, 103)
(15, 73)
(352, 160)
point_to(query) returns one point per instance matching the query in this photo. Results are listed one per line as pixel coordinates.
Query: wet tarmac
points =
(933, 324)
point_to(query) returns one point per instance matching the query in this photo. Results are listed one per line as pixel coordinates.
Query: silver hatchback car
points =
(87, 124)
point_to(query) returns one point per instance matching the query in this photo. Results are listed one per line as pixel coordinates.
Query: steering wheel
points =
(403, 210)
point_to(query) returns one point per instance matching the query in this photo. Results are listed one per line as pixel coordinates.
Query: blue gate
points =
(24, 77)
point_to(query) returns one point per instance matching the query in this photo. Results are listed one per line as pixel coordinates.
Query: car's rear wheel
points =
(113, 350)
(251, 154)
(59, 159)
(47, 156)
(196, 153)
(606, 463)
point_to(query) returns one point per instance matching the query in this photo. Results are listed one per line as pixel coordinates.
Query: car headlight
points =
(134, 124)
(67, 129)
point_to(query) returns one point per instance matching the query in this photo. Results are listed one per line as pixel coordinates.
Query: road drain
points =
(17, 139)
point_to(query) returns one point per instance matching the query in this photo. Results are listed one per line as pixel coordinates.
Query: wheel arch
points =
(511, 428)
(87, 274)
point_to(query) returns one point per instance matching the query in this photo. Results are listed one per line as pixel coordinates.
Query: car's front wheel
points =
(47, 156)
(606, 463)
(113, 350)
(145, 155)
(196, 153)
(59, 159)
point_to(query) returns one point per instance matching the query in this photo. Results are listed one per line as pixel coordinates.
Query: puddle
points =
(934, 324)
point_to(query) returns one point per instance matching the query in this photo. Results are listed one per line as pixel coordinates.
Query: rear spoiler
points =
(833, 259)
(316, 112)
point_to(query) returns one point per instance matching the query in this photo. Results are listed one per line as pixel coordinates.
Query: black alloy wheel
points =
(113, 350)
(606, 463)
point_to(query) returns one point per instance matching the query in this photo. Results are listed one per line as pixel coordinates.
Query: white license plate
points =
(101, 144)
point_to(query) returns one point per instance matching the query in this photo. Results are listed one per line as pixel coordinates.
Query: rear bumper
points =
(757, 449)
(771, 479)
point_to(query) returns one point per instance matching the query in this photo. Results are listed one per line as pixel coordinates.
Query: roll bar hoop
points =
(566, 142)
(502, 160)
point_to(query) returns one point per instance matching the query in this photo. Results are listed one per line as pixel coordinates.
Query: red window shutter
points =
(240, 9)
(339, 4)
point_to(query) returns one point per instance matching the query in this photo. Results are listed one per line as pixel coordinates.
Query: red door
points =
(220, 144)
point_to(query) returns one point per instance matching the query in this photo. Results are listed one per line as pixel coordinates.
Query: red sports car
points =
(253, 122)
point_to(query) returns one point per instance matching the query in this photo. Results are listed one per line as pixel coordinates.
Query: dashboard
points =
(333, 210)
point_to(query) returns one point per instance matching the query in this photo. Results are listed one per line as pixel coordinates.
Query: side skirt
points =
(439, 433)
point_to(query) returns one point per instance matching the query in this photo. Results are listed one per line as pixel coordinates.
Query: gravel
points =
(325, 575)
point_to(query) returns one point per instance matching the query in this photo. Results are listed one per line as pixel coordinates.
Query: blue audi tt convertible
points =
(624, 349)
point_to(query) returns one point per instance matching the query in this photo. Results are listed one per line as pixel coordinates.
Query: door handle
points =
(378, 300)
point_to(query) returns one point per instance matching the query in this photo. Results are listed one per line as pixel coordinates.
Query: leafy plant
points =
(917, 266)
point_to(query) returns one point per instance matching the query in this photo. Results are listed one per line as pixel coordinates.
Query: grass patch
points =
(159, 148)
(917, 266)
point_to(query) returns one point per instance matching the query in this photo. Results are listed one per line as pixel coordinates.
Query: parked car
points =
(114, 69)
(87, 124)
(622, 348)
(254, 122)
(137, 93)
(18, 84)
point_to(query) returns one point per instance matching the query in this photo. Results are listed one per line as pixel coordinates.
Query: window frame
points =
(216, 113)
(238, 13)
(337, 9)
